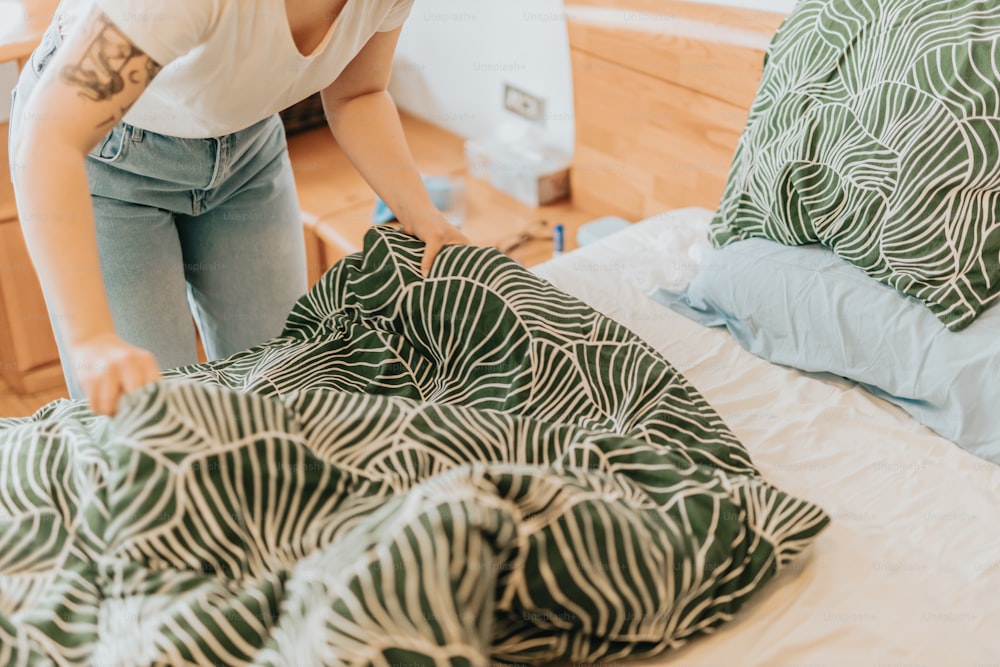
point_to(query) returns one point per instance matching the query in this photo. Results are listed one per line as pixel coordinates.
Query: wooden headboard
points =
(662, 89)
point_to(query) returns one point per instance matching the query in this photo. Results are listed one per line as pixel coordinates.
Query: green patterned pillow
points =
(876, 131)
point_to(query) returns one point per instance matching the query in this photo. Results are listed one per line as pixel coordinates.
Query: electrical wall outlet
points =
(524, 104)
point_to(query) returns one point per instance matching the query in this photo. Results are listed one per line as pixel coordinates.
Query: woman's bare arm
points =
(91, 82)
(366, 124)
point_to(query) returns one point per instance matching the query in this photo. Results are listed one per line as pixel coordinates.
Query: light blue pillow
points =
(805, 307)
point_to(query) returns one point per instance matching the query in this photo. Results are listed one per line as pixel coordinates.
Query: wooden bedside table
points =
(339, 204)
(492, 218)
(29, 359)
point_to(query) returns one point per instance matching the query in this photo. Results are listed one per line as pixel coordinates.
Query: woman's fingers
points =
(139, 370)
(436, 232)
(107, 389)
(436, 242)
(107, 368)
(431, 250)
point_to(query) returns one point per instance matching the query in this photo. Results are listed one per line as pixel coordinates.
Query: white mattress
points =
(908, 573)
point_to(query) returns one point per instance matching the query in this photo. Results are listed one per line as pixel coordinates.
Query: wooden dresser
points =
(337, 204)
(29, 360)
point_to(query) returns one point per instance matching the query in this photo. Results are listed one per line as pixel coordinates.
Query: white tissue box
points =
(532, 175)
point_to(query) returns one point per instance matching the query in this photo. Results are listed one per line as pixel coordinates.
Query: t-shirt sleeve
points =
(165, 31)
(396, 16)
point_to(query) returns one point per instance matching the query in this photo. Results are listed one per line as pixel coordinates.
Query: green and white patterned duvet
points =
(469, 469)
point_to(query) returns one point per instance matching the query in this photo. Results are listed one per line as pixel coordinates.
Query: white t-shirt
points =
(228, 64)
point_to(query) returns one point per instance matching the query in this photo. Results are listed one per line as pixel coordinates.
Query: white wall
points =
(455, 55)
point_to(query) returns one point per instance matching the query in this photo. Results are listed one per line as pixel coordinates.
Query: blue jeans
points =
(208, 228)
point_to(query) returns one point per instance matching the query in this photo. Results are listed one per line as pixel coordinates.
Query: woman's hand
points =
(436, 232)
(366, 124)
(107, 367)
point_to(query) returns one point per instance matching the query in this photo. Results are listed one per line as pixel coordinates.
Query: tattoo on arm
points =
(152, 69)
(101, 73)
(112, 120)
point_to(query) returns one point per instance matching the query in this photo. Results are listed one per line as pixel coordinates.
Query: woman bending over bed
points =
(153, 180)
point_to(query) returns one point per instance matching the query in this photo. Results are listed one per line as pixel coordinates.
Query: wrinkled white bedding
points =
(909, 571)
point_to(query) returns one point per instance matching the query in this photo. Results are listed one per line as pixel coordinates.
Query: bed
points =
(851, 534)
(909, 571)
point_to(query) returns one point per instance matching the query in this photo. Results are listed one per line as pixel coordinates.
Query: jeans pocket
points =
(47, 48)
(112, 146)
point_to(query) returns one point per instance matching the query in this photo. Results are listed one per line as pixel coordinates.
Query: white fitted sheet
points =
(908, 573)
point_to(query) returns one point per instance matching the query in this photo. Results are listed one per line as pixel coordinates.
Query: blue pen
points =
(557, 241)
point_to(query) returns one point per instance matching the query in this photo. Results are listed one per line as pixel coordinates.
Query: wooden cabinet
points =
(492, 219)
(339, 204)
(29, 359)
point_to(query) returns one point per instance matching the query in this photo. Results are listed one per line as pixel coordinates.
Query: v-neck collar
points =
(323, 43)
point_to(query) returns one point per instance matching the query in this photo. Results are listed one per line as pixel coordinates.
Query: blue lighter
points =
(557, 241)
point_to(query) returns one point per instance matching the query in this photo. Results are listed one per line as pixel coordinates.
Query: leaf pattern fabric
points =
(876, 132)
(467, 469)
